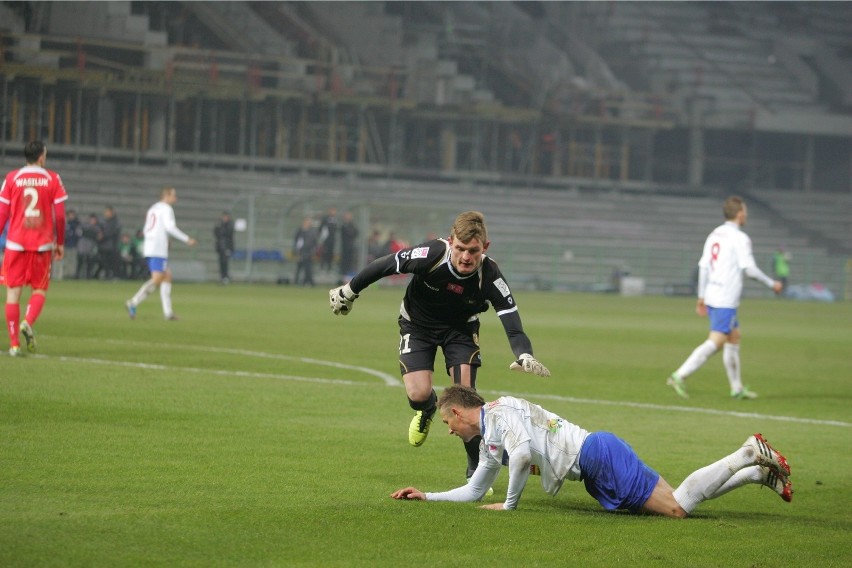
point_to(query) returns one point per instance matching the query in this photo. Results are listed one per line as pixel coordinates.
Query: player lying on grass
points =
(611, 470)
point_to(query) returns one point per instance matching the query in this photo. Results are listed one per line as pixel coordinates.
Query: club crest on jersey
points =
(501, 285)
(420, 252)
(455, 288)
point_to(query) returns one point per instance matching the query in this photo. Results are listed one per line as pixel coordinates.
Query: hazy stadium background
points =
(595, 136)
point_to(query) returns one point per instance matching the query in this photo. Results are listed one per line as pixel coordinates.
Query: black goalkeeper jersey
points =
(438, 297)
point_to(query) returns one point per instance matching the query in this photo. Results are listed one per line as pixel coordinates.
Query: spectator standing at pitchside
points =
(72, 236)
(781, 266)
(348, 245)
(108, 256)
(328, 229)
(223, 232)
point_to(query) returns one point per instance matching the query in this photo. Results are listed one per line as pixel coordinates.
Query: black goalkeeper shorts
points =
(418, 346)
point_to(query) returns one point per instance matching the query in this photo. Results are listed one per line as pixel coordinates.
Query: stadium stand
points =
(599, 144)
(544, 239)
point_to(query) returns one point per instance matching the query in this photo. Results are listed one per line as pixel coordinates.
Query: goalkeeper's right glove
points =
(341, 299)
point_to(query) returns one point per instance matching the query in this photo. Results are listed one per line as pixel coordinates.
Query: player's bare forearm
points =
(494, 507)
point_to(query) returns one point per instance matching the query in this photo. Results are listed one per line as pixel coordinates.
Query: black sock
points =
(428, 406)
(472, 450)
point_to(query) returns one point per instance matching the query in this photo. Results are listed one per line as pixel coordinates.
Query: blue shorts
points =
(614, 474)
(157, 264)
(723, 320)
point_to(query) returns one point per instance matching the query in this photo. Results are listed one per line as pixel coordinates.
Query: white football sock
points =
(166, 298)
(697, 358)
(143, 292)
(753, 474)
(731, 358)
(706, 482)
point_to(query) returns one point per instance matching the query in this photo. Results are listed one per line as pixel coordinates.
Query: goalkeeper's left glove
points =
(341, 299)
(529, 364)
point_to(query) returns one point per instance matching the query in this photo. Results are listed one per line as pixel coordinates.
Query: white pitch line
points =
(389, 380)
(199, 370)
(392, 381)
(650, 406)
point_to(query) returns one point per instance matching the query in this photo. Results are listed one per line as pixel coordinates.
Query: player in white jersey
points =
(727, 254)
(610, 469)
(159, 226)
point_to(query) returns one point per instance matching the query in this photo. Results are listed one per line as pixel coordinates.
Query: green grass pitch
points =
(261, 430)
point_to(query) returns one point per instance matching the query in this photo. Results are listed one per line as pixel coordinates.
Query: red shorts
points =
(22, 267)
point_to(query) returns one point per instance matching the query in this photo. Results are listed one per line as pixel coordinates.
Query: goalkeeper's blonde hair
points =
(470, 225)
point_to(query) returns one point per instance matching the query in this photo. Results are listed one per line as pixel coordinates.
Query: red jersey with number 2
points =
(31, 192)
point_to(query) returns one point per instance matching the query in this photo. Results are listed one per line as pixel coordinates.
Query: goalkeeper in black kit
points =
(453, 282)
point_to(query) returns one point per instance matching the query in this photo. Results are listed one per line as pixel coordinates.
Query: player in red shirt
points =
(32, 199)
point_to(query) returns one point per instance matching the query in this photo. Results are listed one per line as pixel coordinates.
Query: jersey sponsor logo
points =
(455, 288)
(492, 404)
(501, 285)
(420, 252)
(553, 425)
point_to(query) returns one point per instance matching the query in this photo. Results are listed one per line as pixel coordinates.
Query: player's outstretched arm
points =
(526, 363)
(341, 299)
(411, 493)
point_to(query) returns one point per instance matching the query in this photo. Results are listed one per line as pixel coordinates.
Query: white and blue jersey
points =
(530, 435)
(727, 253)
(159, 224)
(610, 469)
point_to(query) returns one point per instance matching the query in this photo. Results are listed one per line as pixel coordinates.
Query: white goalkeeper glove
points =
(529, 364)
(341, 299)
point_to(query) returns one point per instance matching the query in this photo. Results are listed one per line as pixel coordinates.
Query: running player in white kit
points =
(727, 254)
(159, 225)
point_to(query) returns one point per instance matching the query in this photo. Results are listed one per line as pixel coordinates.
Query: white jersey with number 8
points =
(727, 253)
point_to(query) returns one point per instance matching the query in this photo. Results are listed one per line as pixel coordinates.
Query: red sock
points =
(34, 308)
(13, 315)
